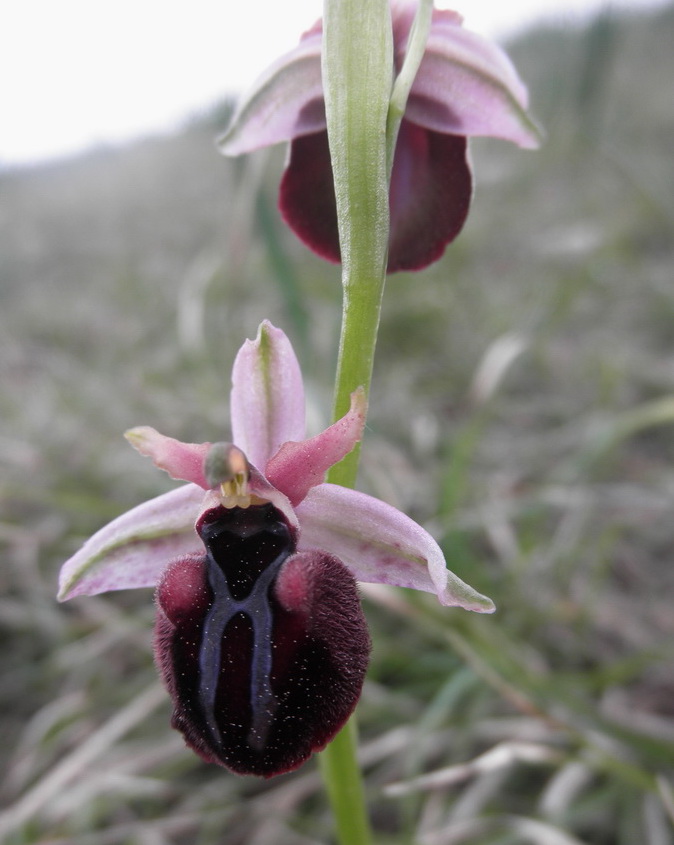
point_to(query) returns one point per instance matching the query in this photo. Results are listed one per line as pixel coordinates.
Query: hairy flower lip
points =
(263, 667)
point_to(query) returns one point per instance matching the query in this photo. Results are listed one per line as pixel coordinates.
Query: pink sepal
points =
(133, 550)
(267, 400)
(381, 545)
(466, 85)
(285, 102)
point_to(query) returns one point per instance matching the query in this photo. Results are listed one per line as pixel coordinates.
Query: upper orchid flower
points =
(259, 636)
(465, 86)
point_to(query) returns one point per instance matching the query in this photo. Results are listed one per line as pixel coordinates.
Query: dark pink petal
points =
(297, 467)
(430, 195)
(263, 651)
(182, 461)
(307, 195)
(134, 549)
(267, 399)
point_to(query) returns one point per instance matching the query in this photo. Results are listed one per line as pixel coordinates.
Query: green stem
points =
(357, 61)
(364, 285)
(363, 122)
(344, 785)
(357, 81)
(360, 323)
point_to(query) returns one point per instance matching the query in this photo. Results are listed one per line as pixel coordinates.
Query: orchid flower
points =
(259, 633)
(465, 86)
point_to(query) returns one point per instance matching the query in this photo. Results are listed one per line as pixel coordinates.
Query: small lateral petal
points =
(297, 467)
(379, 544)
(267, 399)
(182, 461)
(284, 103)
(134, 549)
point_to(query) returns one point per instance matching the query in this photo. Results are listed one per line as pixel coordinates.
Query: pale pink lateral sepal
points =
(467, 85)
(284, 103)
(267, 400)
(182, 461)
(379, 544)
(133, 550)
(297, 467)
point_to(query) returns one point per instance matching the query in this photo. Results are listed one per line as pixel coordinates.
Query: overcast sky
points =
(74, 73)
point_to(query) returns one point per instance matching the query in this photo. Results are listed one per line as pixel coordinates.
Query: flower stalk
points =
(357, 69)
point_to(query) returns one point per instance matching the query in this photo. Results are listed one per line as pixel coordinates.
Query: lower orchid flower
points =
(259, 636)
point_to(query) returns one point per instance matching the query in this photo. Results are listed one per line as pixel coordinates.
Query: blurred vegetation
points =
(523, 409)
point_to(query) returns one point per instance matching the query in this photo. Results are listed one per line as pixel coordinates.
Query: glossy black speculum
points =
(244, 551)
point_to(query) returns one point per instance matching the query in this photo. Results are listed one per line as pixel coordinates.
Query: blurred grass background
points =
(523, 409)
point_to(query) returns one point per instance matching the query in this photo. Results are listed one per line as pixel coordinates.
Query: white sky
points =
(75, 73)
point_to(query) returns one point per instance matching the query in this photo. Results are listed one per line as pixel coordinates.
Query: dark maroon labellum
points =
(430, 194)
(263, 649)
